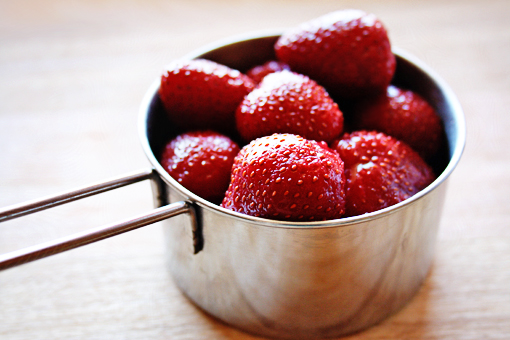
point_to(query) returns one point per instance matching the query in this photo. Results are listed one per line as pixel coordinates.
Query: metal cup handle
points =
(60, 245)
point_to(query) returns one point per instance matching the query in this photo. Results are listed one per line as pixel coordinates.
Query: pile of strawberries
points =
(299, 160)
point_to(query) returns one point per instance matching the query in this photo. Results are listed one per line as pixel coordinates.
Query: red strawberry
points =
(288, 102)
(201, 161)
(287, 177)
(404, 115)
(258, 72)
(202, 94)
(380, 171)
(348, 52)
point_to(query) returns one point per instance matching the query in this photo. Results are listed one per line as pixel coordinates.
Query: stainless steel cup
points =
(280, 279)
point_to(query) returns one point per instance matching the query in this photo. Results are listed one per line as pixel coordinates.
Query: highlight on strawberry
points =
(201, 161)
(285, 101)
(346, 51)
(287, 177)
(405, 115)
(257, 73)
(380, 171)
(202, 94)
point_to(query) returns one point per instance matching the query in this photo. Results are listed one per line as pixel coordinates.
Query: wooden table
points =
(72, 75)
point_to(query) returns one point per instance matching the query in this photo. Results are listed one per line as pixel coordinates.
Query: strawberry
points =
(347, 51)
(380, 171)
(404, 115)
(201, 161)
(288, 102)
(287, 177)
(202, 94)
(258, 72)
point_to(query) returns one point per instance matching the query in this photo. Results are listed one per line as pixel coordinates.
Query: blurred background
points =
(72, 76)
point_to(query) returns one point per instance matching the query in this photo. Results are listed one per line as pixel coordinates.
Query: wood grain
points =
(72, 75)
